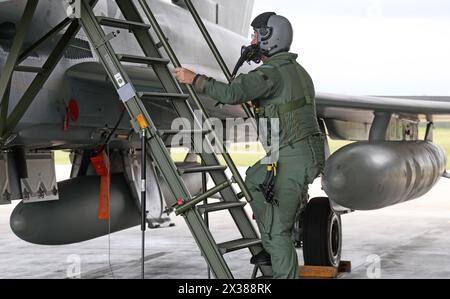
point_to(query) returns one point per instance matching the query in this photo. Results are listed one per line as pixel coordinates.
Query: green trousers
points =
(298, 166)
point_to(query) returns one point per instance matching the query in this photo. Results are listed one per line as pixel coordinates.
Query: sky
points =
(371, 47)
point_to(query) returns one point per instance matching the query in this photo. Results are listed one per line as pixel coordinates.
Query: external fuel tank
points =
(374, 175)
(74, 217)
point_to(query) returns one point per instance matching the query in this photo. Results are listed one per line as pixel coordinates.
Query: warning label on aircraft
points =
(119, 79)
(126, 92)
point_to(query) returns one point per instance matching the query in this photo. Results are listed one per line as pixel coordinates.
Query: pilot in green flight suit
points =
(279, 89)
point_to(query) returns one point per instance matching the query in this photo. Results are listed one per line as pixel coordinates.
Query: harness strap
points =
(308, 97)
(291, 106)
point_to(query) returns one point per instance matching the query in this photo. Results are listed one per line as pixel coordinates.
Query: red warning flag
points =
(101, 164)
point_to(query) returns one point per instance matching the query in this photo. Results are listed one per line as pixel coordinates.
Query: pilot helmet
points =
(275, 33)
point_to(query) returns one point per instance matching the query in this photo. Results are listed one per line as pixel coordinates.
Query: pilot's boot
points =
(262, 259)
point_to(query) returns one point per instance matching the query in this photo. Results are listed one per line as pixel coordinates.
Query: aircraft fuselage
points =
(99, 106)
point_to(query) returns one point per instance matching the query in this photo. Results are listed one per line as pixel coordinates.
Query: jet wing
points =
(421, 105)
(350, 117)
(145, 78)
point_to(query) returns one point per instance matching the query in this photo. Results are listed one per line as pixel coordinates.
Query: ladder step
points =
(195, 201)
(202, 169)
(28, 69)
(162, 96)
(240, 195)
(117, 23)
(184, 132)
(142, 59)
(214, 207)
(238, 245)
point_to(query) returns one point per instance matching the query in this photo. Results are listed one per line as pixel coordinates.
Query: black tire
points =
(322, 234)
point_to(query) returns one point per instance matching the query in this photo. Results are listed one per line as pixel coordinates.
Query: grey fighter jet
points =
(72, 106)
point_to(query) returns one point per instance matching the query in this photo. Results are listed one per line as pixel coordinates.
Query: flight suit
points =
(282, 89)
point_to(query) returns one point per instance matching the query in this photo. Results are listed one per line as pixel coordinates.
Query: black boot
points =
(262, 258)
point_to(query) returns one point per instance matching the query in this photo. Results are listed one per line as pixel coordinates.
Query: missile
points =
(74, 217)
(374, 175)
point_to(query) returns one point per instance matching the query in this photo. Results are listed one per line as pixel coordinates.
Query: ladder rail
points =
(195, 98)
(134, 106)
(41, 78)
(13, 58)
(239, 216)
(216, 53)
(201, 25)
(207, 245)
(141, 120)
(159, 152)
(209, 40)
(58, 28)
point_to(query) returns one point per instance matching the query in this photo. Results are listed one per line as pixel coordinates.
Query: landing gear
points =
(322, 234)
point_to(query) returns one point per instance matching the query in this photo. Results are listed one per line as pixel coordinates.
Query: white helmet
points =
(275, 33)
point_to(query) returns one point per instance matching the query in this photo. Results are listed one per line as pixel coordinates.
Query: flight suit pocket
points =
(267, 219)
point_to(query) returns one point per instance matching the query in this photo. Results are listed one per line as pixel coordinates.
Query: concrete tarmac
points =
(410, 240)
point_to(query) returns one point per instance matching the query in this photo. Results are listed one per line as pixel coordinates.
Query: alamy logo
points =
(219, 132)
(74, 268)
(374, 266)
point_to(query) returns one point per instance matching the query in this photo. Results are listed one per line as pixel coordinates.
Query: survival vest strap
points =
(282, 108)
(291, 106)
(308, 98)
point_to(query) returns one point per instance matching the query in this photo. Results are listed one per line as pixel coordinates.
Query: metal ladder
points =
(187, 206)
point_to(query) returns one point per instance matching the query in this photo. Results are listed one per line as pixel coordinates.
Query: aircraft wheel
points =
(322, 234)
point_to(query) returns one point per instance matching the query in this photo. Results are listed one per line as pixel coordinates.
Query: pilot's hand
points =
(184, 76)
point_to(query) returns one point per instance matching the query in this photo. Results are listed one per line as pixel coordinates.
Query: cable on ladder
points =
(143, 198)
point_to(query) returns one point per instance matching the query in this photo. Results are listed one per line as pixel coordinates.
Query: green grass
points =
(337, 144)
(62, 158)
(247, 155)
